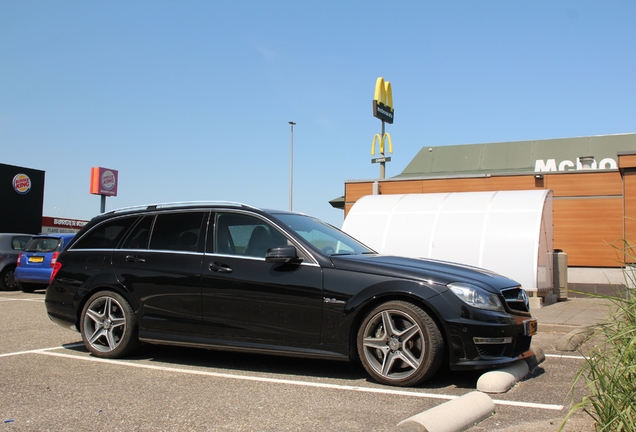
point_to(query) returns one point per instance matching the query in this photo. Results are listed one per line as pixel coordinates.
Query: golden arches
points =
(383, 92)
(381, 139)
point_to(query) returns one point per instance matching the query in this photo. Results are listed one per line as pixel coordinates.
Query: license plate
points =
(530, 327)
(36, 259)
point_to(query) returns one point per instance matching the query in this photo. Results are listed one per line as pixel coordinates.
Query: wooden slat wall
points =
(355, 191)
(630, 215)
(402, 187)
(585, 184)
(585, 228)
(627, 161)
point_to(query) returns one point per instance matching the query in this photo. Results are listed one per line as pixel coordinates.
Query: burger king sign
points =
(22, 184)
(103, 181)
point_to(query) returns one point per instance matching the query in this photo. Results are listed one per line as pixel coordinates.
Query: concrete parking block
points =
(536, 359)
(573, 340)
(501, 380)
(452, 416)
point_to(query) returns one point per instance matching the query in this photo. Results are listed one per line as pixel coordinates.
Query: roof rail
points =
(178, 204)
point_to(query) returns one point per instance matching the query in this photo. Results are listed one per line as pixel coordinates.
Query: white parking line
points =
(21, 299)
(41, 350)
(48, 351)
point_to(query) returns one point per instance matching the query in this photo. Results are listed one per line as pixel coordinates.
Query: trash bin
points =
(560, 274)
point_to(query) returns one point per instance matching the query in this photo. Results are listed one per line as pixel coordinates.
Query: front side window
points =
(106, 235)
(239, 234)
(322, 236)
(179, 231)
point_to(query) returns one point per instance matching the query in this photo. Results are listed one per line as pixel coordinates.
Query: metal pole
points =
(103, 204)
(291, 164)
(382, 153)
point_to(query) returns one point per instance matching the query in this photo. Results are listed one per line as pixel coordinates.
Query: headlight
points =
(475, 296)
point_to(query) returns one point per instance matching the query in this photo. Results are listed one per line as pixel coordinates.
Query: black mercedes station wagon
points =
(232, 277)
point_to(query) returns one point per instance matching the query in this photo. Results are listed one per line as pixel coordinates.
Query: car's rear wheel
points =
(29, 287)
(7, 279)
(108, 325)
(399, 344)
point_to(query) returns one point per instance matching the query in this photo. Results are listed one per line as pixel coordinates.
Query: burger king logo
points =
(108, 180)
(22, 184)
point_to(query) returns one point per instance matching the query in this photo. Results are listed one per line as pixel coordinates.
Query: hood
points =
(439, 272)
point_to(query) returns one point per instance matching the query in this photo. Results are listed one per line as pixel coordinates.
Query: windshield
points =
(322, 236)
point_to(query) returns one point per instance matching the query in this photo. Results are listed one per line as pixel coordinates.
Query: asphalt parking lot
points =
(48, 381)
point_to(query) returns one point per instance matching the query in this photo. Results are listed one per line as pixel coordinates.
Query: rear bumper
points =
(60, 307)
(27, 275)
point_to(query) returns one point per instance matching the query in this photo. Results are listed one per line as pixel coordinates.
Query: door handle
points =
(135, 259)
(220, 268)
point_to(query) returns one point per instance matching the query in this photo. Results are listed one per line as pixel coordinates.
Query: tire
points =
(109, 326)
(7, 279)
(399, 344)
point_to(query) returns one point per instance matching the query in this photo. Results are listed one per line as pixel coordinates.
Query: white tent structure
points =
(509, 232)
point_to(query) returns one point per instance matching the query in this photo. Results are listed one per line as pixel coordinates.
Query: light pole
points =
(291, 163)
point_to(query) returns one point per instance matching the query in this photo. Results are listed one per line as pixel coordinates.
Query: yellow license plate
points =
(530, 327)
(36, 259)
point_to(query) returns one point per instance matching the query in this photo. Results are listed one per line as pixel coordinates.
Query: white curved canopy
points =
(509, 232)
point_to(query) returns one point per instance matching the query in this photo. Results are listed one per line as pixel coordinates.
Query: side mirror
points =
(281, 254)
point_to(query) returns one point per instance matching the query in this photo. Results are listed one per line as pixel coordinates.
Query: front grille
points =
(491, 350)
(516, 299)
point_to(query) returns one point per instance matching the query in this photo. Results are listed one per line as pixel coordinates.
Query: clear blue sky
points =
(190, 100)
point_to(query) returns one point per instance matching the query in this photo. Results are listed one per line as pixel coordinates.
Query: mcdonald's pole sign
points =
(383, 101)
(382, 109)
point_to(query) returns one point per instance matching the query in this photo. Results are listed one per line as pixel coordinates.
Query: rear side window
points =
(139, 235)
(105, 235)
(177, 231)
(44, 244)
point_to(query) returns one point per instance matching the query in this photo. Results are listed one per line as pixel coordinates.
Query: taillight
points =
(56, 268)
(19, 259)
(54, 259)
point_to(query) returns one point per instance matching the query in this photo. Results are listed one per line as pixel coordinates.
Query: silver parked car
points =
(10, 246)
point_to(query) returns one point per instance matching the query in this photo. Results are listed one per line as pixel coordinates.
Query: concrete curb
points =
(536, 359)
(556, 328)
(465, 411)
(452, 416)
(502, 380)
(573, 340)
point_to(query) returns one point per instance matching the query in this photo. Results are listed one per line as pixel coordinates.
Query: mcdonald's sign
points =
(383, 101)
(381, 140)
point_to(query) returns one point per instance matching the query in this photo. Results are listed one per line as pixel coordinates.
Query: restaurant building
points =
(593, 180)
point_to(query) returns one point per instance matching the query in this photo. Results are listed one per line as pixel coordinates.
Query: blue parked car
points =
(37, 259)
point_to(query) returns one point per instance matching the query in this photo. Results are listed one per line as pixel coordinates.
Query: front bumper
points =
(479, 339)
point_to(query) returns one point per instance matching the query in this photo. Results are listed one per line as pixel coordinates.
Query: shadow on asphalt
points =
(281, 365)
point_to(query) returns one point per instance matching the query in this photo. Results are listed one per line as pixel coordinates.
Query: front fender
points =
(393, 288)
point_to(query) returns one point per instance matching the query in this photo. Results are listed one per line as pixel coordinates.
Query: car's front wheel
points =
(108, 325)
(399, 344)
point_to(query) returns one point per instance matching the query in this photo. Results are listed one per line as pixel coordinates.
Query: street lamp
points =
(291, 163)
